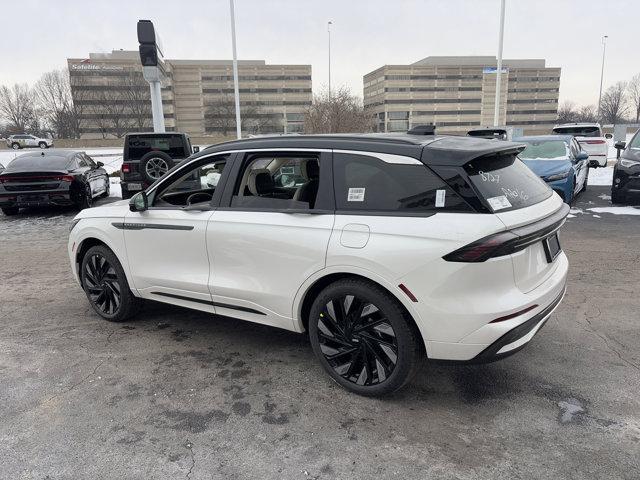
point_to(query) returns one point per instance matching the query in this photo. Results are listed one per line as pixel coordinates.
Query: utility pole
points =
(151, 57)
(236, 88)
(496, 111)
(604, 50)
(329, 32)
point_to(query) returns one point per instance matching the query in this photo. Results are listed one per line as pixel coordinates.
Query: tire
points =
(617, 197)
(106, 286)
(153, 165)
(42, 145)
(9, 211)
(388, 332)
(586, 181)
(85, 200)
(16, 146)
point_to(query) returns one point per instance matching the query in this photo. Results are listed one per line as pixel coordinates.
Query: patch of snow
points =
(576, 211)
(601, 176)
(115, 190)
(596, 216)
(617, 210)
(570, 408)
(571, 216)
(604, 196)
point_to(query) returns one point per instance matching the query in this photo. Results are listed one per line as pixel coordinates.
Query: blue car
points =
(558, 160)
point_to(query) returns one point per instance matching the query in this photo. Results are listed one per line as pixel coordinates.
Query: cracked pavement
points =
(182, 394)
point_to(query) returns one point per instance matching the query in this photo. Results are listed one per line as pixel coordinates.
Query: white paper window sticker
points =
(498, 203)
(440, 194)
(356, 195)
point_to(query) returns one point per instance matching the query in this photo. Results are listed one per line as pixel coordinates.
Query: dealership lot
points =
(180, 393)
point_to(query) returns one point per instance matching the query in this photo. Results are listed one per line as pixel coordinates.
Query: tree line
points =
(620, 103)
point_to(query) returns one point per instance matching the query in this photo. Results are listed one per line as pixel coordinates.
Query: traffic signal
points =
(150, 45)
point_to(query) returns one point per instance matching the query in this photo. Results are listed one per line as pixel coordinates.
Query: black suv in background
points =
(148, 156)
(626, 172)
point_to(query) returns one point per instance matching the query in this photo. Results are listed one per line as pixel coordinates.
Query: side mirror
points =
(582, 156)
(620, 145)
(593, 164)
(196, 149)
(139, 202)
(608, 135)
(100, 164)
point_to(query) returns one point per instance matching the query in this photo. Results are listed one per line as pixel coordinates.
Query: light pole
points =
(496, 110)
(604, 50)
(329, 23)
(236, 89)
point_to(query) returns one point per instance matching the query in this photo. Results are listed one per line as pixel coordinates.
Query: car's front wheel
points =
(106, 286)
(85, 199)
(363, 337)
(42, 145)
(15, 146)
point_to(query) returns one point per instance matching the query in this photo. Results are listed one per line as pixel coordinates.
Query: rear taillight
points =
(593, 142)
(66, 178)
(126, 168)
(482, 249)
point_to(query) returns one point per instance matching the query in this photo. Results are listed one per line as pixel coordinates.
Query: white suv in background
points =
(383, 248)
(24, 141)
(590, 138)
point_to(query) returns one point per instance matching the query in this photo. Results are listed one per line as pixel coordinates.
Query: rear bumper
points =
(49, 199)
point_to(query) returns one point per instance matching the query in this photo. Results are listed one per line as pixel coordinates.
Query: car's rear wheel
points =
(86, 198)
(15, 146)
(10, 210)
(106, 286)
(363, 337)
(154, 165)
(42, 145)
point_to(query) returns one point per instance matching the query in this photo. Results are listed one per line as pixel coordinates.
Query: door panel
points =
(260, 259)
(167, 254)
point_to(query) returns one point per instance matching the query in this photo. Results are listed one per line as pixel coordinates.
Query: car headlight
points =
(628, 163)
(557, 176)
(74, 222)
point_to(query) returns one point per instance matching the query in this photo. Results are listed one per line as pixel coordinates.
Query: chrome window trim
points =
(385, 157)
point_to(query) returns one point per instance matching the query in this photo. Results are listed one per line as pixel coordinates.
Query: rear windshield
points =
(578, 131)
(172, 145)
(545, 150)
(38, 162)
(506, 183)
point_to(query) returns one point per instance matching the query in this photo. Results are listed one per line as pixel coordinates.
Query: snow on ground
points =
(616, 210)
(601, 176)
(115, 190)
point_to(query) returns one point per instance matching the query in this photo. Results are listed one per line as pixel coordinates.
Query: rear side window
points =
(172, 145)
(366, 183)
(506, 183)
(578, 131)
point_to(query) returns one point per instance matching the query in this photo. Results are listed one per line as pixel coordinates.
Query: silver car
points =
(25, 141)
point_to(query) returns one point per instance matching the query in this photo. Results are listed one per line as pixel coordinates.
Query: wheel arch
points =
(315, 284)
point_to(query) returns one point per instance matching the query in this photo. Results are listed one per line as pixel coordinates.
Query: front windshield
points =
(635, 141)
(545, 150)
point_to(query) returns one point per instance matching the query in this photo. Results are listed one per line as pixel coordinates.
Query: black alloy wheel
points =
(86, 198)
(106, 286)
(357, 340)
(363, 337)
(101, 284)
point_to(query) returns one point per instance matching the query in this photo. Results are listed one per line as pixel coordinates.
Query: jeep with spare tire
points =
(148, 156)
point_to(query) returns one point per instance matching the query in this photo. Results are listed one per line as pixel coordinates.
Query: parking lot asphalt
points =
(183, 394)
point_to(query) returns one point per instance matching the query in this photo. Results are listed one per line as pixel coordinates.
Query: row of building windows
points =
(532, 101)
(513, 78)
(432, 89)
(257, 90)
(266, 103)
(220, 78)
(532, 90)
(433, 77)
(433, 100)
(531, 112)
(529, 122)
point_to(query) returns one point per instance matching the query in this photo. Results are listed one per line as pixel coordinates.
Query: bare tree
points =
(633, 90)
(587, 113)
(53, 94)
(137, 98)
(17, 107)
(613, 106)
(220, 116)
(567, 112)
(337, 112)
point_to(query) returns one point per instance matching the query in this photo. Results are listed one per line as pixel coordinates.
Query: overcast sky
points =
(366, 34)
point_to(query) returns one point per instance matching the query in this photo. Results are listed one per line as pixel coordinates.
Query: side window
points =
(196, 185)
(89, 161)
(575, 148)
(366, 183)
(278, 181)
(81, 161)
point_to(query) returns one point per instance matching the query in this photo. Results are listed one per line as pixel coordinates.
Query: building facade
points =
(458, 93)
(112, 97)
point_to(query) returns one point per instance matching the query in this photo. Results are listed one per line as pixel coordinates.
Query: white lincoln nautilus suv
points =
(384, 249)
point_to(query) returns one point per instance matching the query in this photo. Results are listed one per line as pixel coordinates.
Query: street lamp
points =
(236, 89)
(496, 111)
(604, 50)
(329, 23)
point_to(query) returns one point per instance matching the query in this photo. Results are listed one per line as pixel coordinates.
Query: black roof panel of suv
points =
(435, 150)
